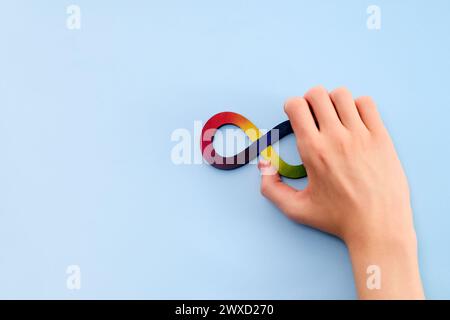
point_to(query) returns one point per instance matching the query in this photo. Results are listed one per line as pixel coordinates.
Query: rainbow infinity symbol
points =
(261, 144)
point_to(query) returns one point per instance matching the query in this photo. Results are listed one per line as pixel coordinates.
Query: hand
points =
(357, 189)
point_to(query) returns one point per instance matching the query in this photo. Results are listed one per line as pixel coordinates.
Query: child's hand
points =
(357, 188)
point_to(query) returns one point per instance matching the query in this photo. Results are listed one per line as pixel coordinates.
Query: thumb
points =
(291, 201)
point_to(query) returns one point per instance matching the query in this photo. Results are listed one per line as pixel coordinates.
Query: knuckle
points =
(321, 158)
(319, 151)
(307, 144)
(382, 134)
(345, 146)
(344, 141)
(336, 133)
(306, 159)
(342, 136)
(264, 189)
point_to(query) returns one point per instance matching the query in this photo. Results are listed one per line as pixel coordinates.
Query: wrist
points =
(401, 242)
(385, 248)
(394, 260)
(387, 229)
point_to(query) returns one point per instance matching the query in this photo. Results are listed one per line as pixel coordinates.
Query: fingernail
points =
(264, 163)
(266, 168)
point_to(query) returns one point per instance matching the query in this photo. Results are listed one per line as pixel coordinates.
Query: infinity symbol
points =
(261, 144)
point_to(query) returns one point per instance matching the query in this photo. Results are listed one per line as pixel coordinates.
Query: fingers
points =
(323, 108)
(338, 108)
(273, 188)
(286, 198)
(346, 108)
(303, 124)
(301, 118)
(369, 113)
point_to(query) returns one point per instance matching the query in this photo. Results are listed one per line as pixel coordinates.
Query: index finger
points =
(301, 118)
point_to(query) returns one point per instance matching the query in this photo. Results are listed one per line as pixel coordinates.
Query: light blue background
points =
(86, 117)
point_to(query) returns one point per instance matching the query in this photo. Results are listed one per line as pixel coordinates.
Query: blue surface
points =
(86, 117)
